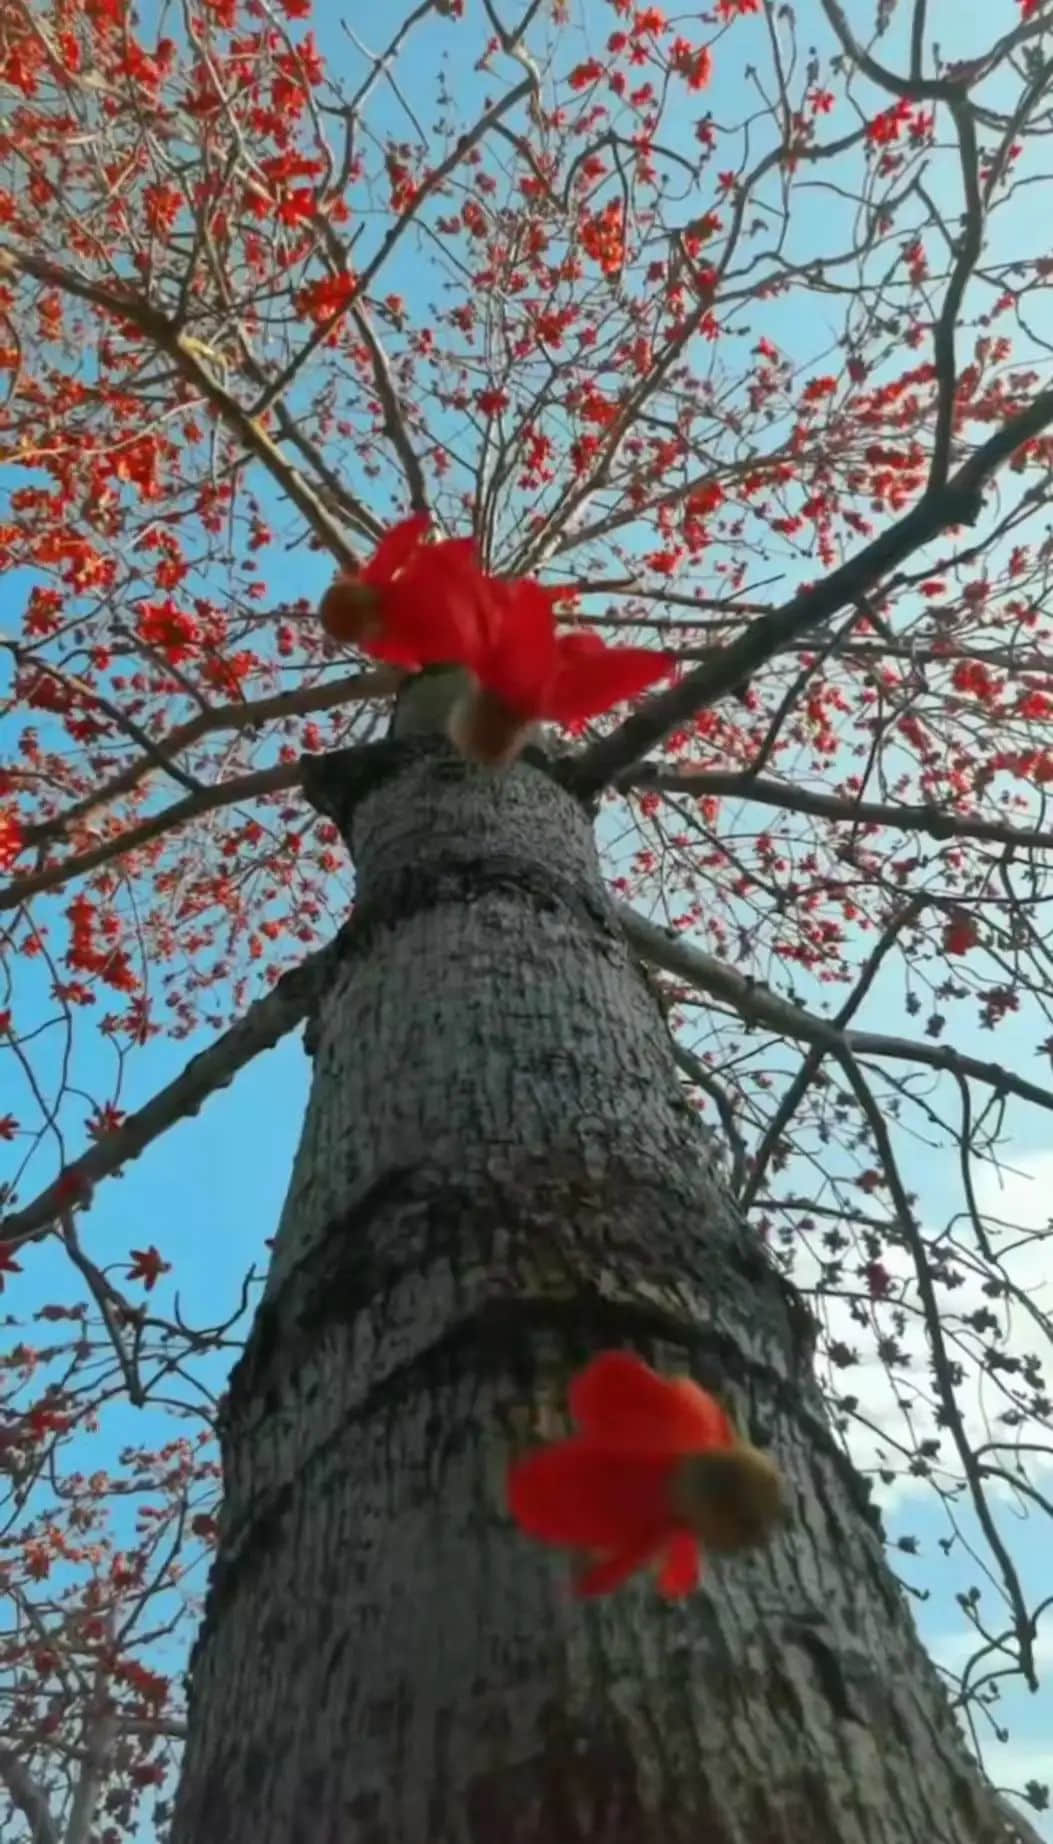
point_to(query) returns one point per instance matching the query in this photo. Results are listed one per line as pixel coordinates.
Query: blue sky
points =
(210, 1193)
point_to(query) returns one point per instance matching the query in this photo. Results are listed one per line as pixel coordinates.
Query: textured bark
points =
(498, 1175)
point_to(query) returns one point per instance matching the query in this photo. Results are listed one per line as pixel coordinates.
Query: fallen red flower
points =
(656, 1473)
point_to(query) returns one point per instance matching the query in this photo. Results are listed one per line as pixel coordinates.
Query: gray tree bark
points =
(498, 1176)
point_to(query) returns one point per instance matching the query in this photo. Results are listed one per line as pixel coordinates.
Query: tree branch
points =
(100, 1732)
(246, 715)
(935, 821)
(696, 1072)
(28, 1797)
(958, 502)
(221, 794)
(265, 1022)
(184, 353)
(394, 422)
(941, 1363)
(757, 1004)
(970, 242)
(802, 1081)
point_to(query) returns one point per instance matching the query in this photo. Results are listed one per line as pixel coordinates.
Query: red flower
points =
(8, 1264)
(584, 74)
(878, 1280)
(960, 935)
(324, 299)
(817, 388)
(693, 62)
(147, 1265)
(414, 604)
(656, 1468)
(11, 837)
(527, 673)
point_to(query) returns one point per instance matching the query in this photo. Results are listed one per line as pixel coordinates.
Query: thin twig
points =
(266, 1020)
(802, 1081)
(104, 1296)
(756, 1003)
(958, 502)
(222, 794)
(941, 1363)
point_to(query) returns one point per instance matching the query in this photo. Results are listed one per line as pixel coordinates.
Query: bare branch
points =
(394, 422)
(266, 1021)
(917, 39)
(757, 1004)
(696, 1072)
(28, 1797)
(936, 822)
(970, 242)
(105, 1298)
(221, 794)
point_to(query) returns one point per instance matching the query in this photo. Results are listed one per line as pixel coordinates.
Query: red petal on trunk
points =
(681, 1567)
(611, 1571)
(623, 1406)
(589, 680)
(571, 1493)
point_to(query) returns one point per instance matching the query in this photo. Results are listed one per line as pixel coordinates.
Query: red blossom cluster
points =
(12, 837)
(94, 949)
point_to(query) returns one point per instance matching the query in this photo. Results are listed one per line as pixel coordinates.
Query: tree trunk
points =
(499, 1175)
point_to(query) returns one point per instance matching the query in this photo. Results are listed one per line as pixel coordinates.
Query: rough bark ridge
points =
(498, 1175)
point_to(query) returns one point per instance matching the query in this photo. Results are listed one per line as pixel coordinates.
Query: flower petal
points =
(623, 1406)
(681, 1565)
(435, 611)
(396, 547)
(583, 642)
(520, 660)
(571, 1493)
(427, 622)
(590, 680)
(610, 1572)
